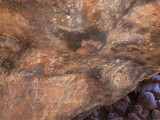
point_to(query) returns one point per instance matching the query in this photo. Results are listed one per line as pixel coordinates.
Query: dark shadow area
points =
(74, 39)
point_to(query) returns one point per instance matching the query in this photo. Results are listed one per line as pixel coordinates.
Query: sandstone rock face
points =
(43, 77)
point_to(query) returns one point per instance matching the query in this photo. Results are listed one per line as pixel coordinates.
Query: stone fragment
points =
(133, 116)
(146, 113)
(156, 87)
(156, 90)
(141, 117)
(130, 108)
(96, 44)
(147, 100)
(137, 110)
(157, 95)
(126, 99)
(109, 108)
(121, 107)
(158, 103)
(85, 50)
(155, 114)
(112, 115)
(148, 86)
(93, 116)
(151, 87)
(119, 118)
(88, 47)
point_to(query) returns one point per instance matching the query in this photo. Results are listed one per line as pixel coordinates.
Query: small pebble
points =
(146, 113)
(119, 118)
(137, 110)
(155, 114)
(147, 100)
(112, 116)
(126, 99)
(133, 116)
(121, 107)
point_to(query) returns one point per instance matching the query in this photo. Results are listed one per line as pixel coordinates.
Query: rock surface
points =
(146, 113)
(147, 100)
(132, 110)
(138, 110)
(155, 114)
(121, 107)
(132, 116)
(42, 75)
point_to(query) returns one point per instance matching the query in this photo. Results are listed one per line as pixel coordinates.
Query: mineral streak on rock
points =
(43, 77)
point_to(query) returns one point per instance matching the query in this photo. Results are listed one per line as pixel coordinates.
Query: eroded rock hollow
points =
(61, 59)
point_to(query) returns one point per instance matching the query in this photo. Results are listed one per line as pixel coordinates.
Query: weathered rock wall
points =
(62, 59)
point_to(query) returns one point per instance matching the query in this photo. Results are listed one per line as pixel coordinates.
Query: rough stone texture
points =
(43, 77)
(112, 116)
(146, 113)
(121, 107)
(126, 99)
(155, 114)
(132, 116)
(137, 109)
(119, 118)
(147, 100)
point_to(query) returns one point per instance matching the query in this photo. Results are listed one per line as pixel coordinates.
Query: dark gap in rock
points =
(8, 64)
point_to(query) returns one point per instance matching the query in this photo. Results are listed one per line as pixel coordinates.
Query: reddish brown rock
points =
(85, 50)
(42, 76)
